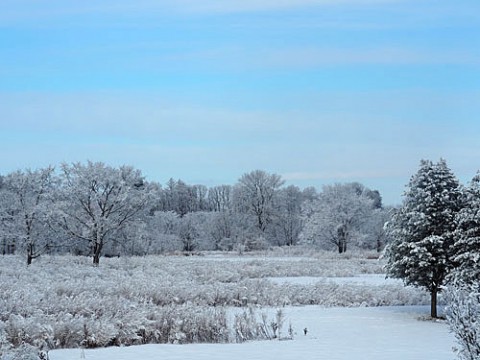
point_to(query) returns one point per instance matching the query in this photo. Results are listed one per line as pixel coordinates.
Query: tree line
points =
(98, 210)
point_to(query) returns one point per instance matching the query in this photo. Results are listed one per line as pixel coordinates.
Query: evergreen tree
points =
(422, 229)
(467, 236)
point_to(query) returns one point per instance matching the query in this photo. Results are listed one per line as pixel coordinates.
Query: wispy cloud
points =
(222, 6)
(314, 14)
(242, 58)
(145, 118)
(312, 57)
(233, 59)
(29, 9)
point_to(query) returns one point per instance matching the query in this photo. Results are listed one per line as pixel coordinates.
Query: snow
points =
(55, 296)
(362, 279)
(393, 333)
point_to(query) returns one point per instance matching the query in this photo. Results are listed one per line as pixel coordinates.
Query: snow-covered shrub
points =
(20, 330)
(68, 331)
(204, 325)
(255, 243)
(186, 324)
(249, 325)
(98, 332)
(464, 318)
(23, 352)
(5, 345)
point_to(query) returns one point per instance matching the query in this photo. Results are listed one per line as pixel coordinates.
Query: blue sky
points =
(318, 91)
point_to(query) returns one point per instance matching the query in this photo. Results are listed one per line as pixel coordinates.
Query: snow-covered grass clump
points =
(60, 302)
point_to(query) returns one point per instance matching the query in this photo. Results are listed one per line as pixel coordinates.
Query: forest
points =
(98, 210)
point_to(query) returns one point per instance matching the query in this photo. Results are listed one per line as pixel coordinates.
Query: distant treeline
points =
(94, 209)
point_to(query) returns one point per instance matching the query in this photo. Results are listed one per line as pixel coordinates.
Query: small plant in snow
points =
(23, 352)
(279, 320)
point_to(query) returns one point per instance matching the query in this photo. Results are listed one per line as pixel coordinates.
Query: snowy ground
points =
(363, 279)
(385, 333)
(64, 300)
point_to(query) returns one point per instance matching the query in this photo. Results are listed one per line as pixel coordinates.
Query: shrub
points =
(464, 318)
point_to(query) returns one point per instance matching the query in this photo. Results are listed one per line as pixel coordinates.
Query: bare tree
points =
(99, 201)
(288, 220)
(182, 198)
(219, 198)
(25, 213)
(256, 195)
(336, 217)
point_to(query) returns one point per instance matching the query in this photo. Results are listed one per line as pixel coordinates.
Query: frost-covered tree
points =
(185, 198)
(375, 237)
(466, 250)
(26, 203)
(288, 221)
(99, 201)
(6, 219)
(193, 231)
(182, 198)
(162, 227)
(219, 198)
(188, 232)
(256, 194)
(464, 319)
(222, 230)
(337, 216)
(422, 229)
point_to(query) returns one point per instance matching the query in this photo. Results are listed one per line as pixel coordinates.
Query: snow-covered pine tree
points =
(466, 250)
(422, 229)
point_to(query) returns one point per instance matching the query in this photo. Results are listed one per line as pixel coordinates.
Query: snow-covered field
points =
(63, 302)
(362, 279)
(381, 333)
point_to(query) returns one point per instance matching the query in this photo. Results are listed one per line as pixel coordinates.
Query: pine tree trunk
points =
(433, 304)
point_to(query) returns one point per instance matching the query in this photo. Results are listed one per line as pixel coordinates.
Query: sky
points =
(317, 91)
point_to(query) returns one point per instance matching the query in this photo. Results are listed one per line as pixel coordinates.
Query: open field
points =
(386, 333)
(65, 302)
